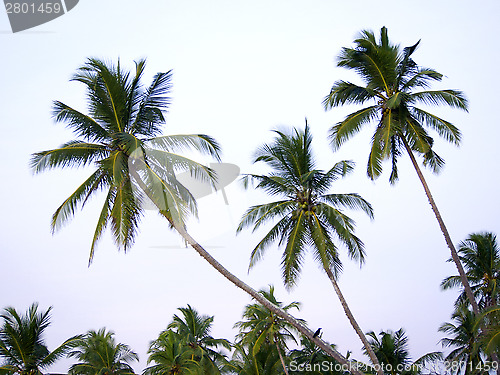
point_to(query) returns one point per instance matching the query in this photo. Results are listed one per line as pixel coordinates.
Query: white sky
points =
(242, 68)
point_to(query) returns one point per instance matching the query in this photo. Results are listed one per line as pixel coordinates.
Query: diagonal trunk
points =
(353, 322)
(454, 254)
(263, 301)
(281, 357)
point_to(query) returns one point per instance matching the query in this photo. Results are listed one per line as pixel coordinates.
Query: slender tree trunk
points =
(350, 316)
(281, 356)
(454, 254)
(263, 301)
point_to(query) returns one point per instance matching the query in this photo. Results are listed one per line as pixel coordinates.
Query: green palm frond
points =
(293, 255)
(343, 92)
(70, 154)
(260, 214)
(351, 125)
(83, 125)
(445, 129)
(452, 98)
(66, 210)
(279, 231)
(198, 142)
(349, 200)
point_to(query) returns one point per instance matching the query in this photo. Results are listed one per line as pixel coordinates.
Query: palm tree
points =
(309, 217)
(120, 137)
(170, 355)
(194, 329)
(465, 356)
(262, 326)
(391, 349)
(313, 360)
(245, 362)
(391, 85)
(22, 343)
(480, 255)
(100, 354)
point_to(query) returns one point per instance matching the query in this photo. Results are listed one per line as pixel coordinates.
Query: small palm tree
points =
(100, 354)
(313, 360)
(391, 349)
(194, 329)
(262, 326)
(480, 255)
(170, 356)
(309, 218)
(395, 86)
(121, 138)
(464, 336)
(22, 343)
(245, 362)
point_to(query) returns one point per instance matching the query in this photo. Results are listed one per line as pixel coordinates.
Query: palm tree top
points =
(121, 137)
(394, 86)
(308, 216)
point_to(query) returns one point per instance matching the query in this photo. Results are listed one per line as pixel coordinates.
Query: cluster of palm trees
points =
(121, 137)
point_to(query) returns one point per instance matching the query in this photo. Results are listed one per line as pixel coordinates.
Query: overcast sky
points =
(240, 69)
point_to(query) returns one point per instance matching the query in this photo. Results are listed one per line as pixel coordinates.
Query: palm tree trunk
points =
(353, 322)
(262, 300)
(446, 235)
(281, 356)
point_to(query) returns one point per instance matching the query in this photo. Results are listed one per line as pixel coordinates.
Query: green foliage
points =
(120, 138)
(22, 344)
(99, 354)
(393, 86)
(308, 217)
(480, 256)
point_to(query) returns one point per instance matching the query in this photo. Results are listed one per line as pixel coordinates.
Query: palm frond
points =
(349, 200)
(351, 125)
(452, 98)
(70, 154)
(183, 142)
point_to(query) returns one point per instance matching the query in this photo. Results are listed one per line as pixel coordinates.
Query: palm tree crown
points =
(22, 344)
(120, 137)
(100, 354)
(395, 86)
(480, 255)
(308, 216)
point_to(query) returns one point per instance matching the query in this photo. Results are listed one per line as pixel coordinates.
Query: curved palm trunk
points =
(281, 357)
(446, 235)
(262, 300)
(353, 322)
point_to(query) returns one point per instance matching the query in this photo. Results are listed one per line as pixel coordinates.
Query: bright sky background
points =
(242, 68)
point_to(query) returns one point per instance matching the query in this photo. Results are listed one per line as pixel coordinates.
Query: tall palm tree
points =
(194, 329)
(100, 354)
(465, 356)
(22, 344)
(170, 356)
(262, 326)
(121, 138)
(308, 216)
(391, 349)
(480, 256)
(394, 86)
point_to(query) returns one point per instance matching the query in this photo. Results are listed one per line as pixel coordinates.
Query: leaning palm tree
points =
(262, 326)
(307, 216)
(121, 138)
(480, 255)
(98, 353)
(22, 345)
(395, 86)
(194, 329)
